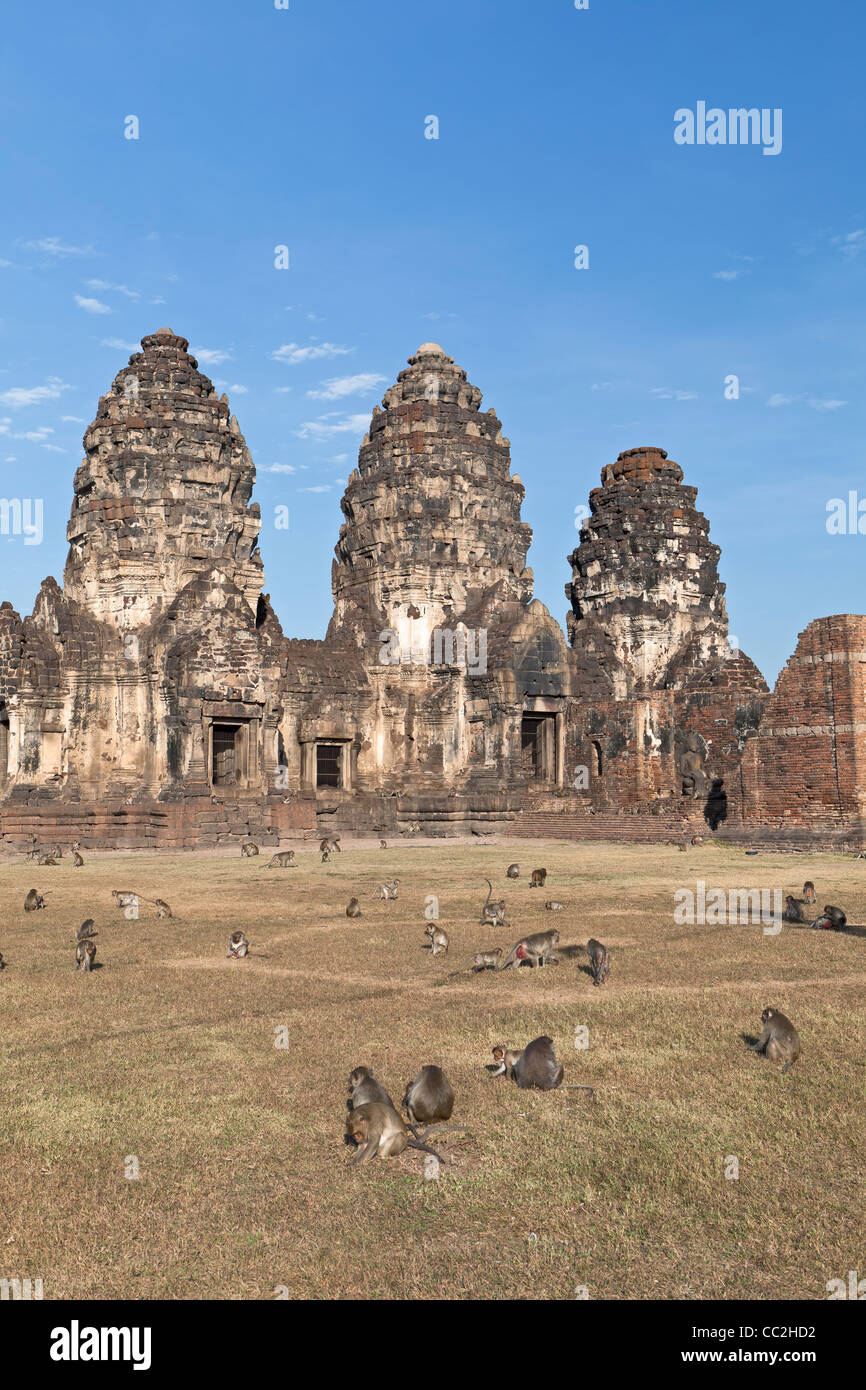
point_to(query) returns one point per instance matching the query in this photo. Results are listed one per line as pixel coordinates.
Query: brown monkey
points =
(553, 906)
(438, 939)
(354, 908)
(482, 960)
(85, 955)
(513, 871)
(46, 861)
(330, 842)
(809, 894)
(598, 961)
(537, 949)
(383, 844)
(33, 901)
(429, 1099)
(162, 908)
(326, 856)
(493, 914)
(539, 878)
(87, 930)
(388, 891)
(77, 861)
(124, 899)
(249, 850)
(379, 1129)
(535, 1067)
(239, 946)
(57, 852)
(364, 1089)
(779, 1039)
(504, 1057)
(832, 919)
(284, 860)
(793, 911)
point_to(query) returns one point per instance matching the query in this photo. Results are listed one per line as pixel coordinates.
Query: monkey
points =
(598, 961)
(364, 1089)
(162, 908)
(388, 891)
(809, 894)
(31, 856)
(76, 844)
(354, 908)
(2, 962)
(779, 1039)
(57, 852)
(539, 878)
(330, 842)
(239, 946)
(429, 1099)
(284, 860)
(86, 931)
(77, 861)
(832, 919)
(124, 899)
(535, 1067)
(493, 914)
(536, 948)
(513, 871)
(793, 911)
(85, 955)
(684, 847)
(438, 939)
(383, 844)
(249, 850)
(33, 901)
(46, 860)
(553, 906)
(482, 960)
(379, 1129)
(325, 856)
(127, 899)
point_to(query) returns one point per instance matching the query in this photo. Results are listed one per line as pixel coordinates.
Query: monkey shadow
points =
(749, 1039)
(572, 953)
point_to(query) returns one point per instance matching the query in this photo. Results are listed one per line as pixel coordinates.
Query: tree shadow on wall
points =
(716, 805)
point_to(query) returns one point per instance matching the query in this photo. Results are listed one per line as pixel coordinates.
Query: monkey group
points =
(123, 898)
(831, 919)
(284, 859)
(375, 1125)
(387, 892)
(535, 1068)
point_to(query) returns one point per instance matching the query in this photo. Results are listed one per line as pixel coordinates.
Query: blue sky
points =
(305, 127)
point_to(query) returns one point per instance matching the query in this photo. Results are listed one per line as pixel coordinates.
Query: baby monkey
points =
(239, 946)
(535, 1067)
(33, 901)
(779, 1039)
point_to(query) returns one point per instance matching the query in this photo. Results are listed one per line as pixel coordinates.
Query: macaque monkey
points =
(554, 906)
(793, 911)
(285, 859)
(239, 946)
(539, 878)
(326, 856)
(438, 939)
(535, 1067)
(809, 894)
(504, 1057)
(779, 1039)
(482, 960)
(388, 891)
(162, 908)
(249, 850)
(513, 871)
(383, 844)
(330, 842)
(124, 899)
(33, 901)
(832, 919)
(429, 1099)
(354, 908)
(493, 914)
(85, 955)
(364, 1089)
(379, 1129)
(77, 861)
(57, 852)
(86, 931)
(46, 861)
(598, 961)
(537, 949)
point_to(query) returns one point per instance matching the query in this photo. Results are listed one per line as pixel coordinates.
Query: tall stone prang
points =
(432, 512)
(645, 591)
(164, 491)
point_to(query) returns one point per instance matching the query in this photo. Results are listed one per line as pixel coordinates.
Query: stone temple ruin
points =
(155, 701)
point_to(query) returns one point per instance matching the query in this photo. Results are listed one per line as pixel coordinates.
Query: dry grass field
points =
(167, 1053)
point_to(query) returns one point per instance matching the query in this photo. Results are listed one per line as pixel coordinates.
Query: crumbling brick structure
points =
(154, 699)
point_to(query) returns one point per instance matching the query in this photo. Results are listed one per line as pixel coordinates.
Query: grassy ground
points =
(167, 1053)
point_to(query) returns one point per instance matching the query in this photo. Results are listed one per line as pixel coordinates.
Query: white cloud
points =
(323, 487)
(293, 353)
(666, 393)
(727, 274)
(825, 404)
(239, 390)
(852, 243)
(6, 265)
(282, 390)
(72, 420)
(778, 399)
(601, 385)
(34, 395)
(280, 468)
(55, 449)
(119, 345)
(320, 429)
(107, 285)
(339, 386)
(92, 306)
(53, 246)
(211, 356)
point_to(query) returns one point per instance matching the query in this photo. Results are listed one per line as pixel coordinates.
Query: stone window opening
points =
(329, 764)
(538, 746)
(599, 765)
(226, 754)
